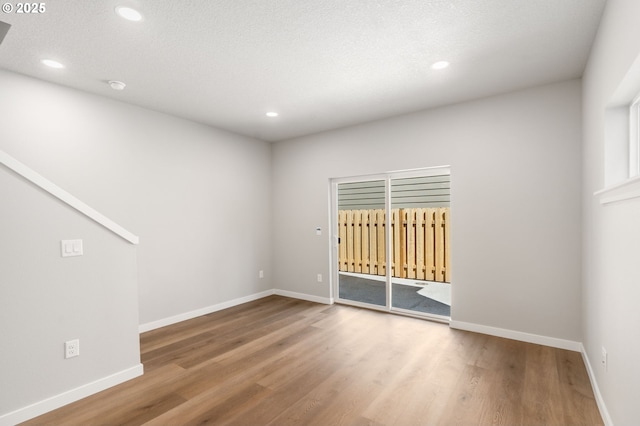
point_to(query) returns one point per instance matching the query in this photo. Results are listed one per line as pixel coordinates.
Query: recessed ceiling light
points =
(117, 85)
(129, 13)
(440, 65)
(272, 114)
(51, 63)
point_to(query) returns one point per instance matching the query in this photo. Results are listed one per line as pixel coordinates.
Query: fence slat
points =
(411, 243)
(439, 245)
(364, 224)
(382, 247)
(402, 217)
(342, 223)
(396, 226)
(349, 242)
(420, 213)
(429, 238)
(373, 247)
(357, 241)
(447, 244)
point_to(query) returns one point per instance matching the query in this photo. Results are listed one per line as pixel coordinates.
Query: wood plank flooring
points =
(280, 361)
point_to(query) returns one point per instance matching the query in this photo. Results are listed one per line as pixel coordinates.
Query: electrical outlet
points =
(604, 359)
(72, 348)
(319, 278)
(261, 274)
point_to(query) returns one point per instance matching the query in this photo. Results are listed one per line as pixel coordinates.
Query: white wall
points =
(198, 198)
(46, 300)
(515, 205)
(611, 276)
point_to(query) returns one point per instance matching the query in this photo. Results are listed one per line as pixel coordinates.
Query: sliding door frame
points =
(335, 267)
(334, 246)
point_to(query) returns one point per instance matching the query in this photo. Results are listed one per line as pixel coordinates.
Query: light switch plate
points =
(70, 248)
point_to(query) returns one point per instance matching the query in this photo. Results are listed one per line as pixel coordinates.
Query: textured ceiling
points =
(321, 64)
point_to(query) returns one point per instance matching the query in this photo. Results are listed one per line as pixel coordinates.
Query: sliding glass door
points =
(420, 244)
(362, 242)
(392, 241)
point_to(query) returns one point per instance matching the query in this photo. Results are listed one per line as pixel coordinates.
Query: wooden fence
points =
(420, 243)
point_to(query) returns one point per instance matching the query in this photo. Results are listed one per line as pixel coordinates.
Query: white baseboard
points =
(231, 303)
(546, 341)
(49, 404)
(518, 335)
(606, 418)
(203, 311)
(57, 401)
(302, 296)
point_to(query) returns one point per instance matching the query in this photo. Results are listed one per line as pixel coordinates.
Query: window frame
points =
(634, 137)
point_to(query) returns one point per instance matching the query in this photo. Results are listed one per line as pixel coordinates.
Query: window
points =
(634, 138)
(622, 140)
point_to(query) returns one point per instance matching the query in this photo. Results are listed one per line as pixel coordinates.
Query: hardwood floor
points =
(280, 361)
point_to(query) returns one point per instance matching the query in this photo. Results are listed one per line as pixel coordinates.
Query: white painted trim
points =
(356, 304)
(604, 413)
(57, 401)
(420, 315)
(518, 335)
(203, 311)
(620, 197)
(421, 172)
(229, 304)
(629, 190)
(625, 190)
(632, 182)
(394, 311)
(425, 171)
(64, 196)
(302, 296)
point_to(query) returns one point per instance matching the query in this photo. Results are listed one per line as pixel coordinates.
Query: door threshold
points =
(395, 311)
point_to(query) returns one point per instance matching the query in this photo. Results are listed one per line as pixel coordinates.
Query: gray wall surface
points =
(515, 202)
(611, 232)
(202, 241)
(165, 179)
(46, 300)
